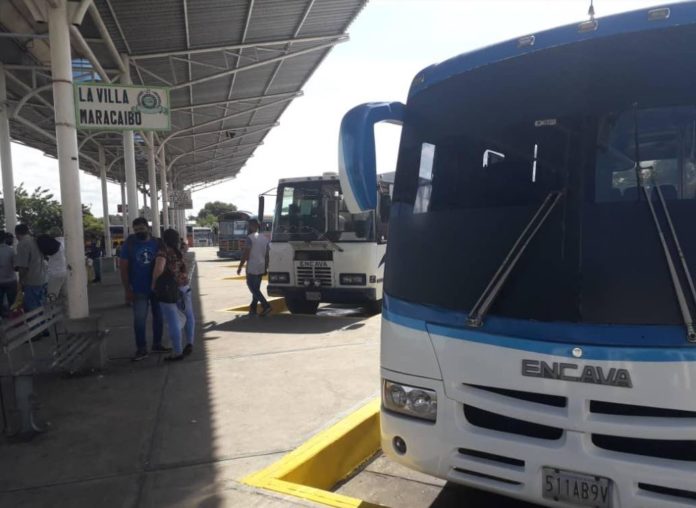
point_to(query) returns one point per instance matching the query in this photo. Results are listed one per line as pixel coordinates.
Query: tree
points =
(42, 213)
(211, 212)
(216, 208)
(39, 210)
(93, 226)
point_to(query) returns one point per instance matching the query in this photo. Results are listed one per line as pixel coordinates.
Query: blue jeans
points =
(141, 302)
(254, 284)
(8, 289)
(96, 266)
(171, 311)
(186, 302)
(34, 297)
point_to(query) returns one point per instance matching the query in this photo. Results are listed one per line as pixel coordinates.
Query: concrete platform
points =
(151, 434)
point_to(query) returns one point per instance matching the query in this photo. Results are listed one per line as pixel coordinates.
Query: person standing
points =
(31, 266)
(137, 262)
(95, 253)
(170, 259)
(255, 256)
(57, 269)
(8, 276)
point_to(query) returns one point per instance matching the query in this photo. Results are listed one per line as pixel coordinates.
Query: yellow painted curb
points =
(277, 306)
(326, 459)
(242, 277)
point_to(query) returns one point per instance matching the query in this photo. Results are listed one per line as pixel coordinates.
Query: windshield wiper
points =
(676, 283)
(322, 237)
(485, 301)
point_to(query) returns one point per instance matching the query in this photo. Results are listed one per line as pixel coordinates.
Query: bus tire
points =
(301, 306)
(373, 306)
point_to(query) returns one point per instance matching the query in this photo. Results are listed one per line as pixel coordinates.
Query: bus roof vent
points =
(330, 173)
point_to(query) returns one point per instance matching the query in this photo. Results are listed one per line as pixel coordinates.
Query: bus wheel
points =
(373, 306)
(301, 306)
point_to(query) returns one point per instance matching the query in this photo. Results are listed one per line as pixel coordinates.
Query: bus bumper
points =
(455, 450)
(226, 254)
(328, 295)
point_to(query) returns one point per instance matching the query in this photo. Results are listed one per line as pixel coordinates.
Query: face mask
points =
(141, 235)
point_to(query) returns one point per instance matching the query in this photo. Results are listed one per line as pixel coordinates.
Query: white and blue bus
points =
(538, 340)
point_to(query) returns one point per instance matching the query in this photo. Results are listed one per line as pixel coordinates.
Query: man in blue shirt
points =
(137, 263)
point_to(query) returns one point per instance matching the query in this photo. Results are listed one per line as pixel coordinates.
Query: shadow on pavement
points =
(120, 437)
(287, 324)
(459, 496)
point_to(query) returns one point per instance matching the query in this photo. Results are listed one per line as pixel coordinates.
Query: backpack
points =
(166, 287)
(47, 245)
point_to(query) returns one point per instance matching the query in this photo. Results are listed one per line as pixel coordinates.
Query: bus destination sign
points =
(121, 107)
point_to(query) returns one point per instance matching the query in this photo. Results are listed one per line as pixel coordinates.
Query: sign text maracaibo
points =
(92, 114)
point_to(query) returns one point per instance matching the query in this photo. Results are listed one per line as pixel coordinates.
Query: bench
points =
(38, 342)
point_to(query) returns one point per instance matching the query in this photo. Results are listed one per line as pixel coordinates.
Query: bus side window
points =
(425, 178)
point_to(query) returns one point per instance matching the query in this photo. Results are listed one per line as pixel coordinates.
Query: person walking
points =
(95, 253)
(30, 263)
(170, 263)
(8, 276)
(57, 269)
(137, 262)
(255, 256)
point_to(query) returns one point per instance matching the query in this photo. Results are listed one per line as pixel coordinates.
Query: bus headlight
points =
(279, 277)
(353, 279)
(410, 400)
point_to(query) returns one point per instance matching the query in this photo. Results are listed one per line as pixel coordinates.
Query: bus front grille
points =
(313, 275)
(501, 423)
(231, 245)
(683, 450)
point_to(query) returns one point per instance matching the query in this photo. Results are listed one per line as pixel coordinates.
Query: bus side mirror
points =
(262, 206)
(357, 166)
(385, 207)
(360, 228)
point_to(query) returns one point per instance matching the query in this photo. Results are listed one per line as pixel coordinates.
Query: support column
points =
(68, 163)
(152, 175)
(165, 191)
(105, 203)
(129, 157)
(8, 191)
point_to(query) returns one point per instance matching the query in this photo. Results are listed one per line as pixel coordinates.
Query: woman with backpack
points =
(170, 284)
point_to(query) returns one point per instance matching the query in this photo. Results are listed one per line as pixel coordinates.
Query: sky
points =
(390, 41)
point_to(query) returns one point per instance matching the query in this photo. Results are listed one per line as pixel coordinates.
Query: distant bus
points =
(117, 233)
(202, 236)
(233, 229)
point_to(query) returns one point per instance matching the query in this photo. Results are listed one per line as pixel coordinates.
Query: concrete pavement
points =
(156, 434)
(152, 434)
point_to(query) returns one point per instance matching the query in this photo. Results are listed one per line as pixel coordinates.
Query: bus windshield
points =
(472, 188)
(314, 210)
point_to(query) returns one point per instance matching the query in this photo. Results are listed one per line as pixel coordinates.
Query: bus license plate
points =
(575, 488)
(313, 296)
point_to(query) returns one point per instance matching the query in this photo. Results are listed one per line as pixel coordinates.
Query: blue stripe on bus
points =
(617, 24)
(646, 343)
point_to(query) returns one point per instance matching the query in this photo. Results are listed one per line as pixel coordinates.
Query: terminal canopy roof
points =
(232, 66)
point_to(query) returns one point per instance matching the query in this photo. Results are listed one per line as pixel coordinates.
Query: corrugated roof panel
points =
(215, 23)
(149, 27)
(276, 19)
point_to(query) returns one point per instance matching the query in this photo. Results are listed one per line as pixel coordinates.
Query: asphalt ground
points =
(151, 434)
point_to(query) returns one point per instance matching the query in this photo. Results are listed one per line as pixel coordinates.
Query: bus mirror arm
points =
(357, 166)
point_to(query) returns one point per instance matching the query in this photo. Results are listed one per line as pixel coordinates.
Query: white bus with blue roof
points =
(540, 344)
